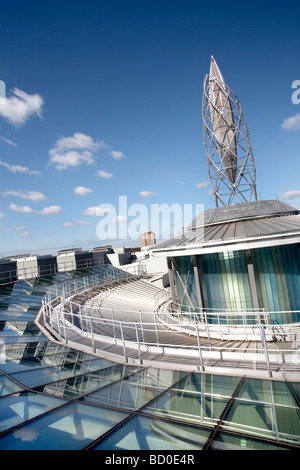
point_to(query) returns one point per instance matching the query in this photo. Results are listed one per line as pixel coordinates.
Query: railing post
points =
(64, 326)
(92, 335)
(50, 315)
(80, 317)
(58, 313)
(138, 342)
(123, 342)
(264, 343)
(71, 312)
(207, 329)
(43, 310)
(113, 322)
(199, 348)
(141, 322)
(156, 332)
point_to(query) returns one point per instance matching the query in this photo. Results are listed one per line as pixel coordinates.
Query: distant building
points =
(147, 239)
(8, 271)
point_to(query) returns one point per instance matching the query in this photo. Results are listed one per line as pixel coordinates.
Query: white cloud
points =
(72, 158)
(96, 211)
(21, 209)
(290, 195)
(19, 107)
(28, 210)
(147, 193)
(24, 235)
(104, 174)
(19, 228)
(50, 210)
(30, 195)
(76, 223)
(202, 185)
(117, 155)
(292, 123)
(79, 141)
(19, 169)
(2, 215)
(70, 152)
(82, 191)
(8, 142)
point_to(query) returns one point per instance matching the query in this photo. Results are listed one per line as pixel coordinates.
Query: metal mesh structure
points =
(231, 166)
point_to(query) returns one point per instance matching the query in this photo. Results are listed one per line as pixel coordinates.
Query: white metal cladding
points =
(235, 235)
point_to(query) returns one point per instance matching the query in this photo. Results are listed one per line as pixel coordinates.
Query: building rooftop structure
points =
(250, 222)
(100, 359)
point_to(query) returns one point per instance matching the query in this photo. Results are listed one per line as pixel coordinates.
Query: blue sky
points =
(103, 99)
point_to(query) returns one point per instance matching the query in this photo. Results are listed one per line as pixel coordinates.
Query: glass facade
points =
(225, 282)
(277, 274)
(225, 276)
(54, 397)
(185, 282)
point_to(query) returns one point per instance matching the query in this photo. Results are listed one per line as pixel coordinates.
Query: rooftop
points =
(245, 211)
(253, 220)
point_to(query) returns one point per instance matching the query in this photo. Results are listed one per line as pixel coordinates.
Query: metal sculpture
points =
(231, 166)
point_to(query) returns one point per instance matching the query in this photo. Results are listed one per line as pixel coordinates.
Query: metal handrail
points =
(192, 308)
(64, 315)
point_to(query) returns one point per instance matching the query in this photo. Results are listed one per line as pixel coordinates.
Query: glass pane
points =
(36, 378)
(75, 387)
(7, 386)
(161, 378)
(288, 421)
(71, 427)
(188, 406)
(124, 395)
(19, 328)
(296, 387)
(254, 418)
(227, 442)
(210, 384)
(134, 391)
(267, 391)
(143, 433)
(16, 409)
(276, 422)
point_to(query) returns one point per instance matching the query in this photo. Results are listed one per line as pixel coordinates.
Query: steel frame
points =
(231, 166)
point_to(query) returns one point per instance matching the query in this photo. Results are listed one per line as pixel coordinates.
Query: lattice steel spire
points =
(231, 167)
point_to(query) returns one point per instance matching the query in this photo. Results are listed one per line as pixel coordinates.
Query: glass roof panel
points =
(143, 433)
(71, 427)
(18, 408)
(8, 386)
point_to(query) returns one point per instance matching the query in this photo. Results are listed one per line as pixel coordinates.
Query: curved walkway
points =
(120, 323)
